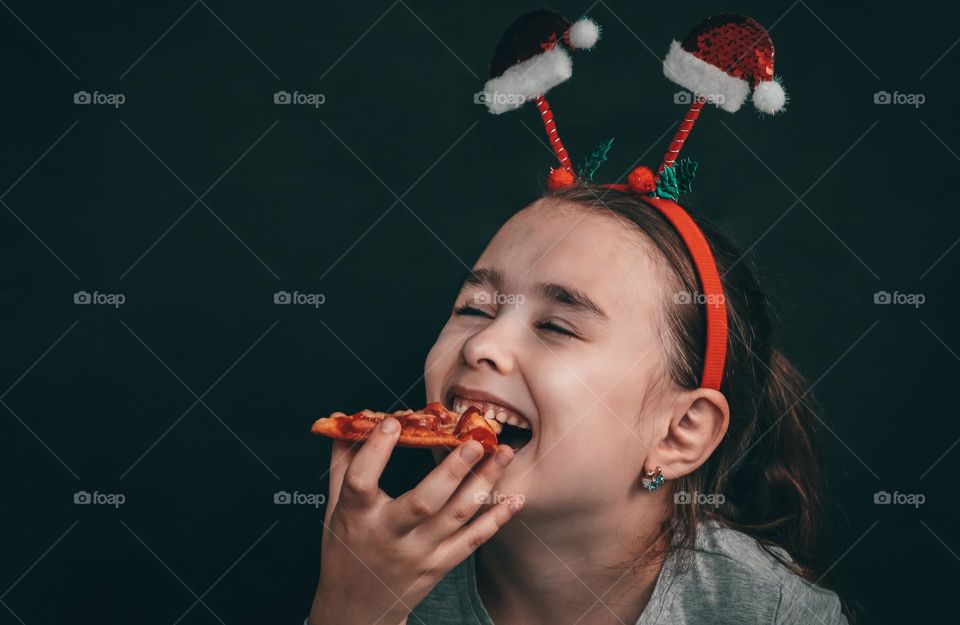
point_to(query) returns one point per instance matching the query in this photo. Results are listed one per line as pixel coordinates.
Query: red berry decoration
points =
(642, 180)
(560, 179)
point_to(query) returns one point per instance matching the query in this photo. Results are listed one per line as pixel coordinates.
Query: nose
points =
(491, 347)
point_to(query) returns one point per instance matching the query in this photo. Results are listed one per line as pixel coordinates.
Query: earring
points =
(652, 480)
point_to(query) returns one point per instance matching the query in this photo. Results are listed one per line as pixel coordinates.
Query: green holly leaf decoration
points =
(593, 162)
(686, 171)
(677, 179)
(667, 184)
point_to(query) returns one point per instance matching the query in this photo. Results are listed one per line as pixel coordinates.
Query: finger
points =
(361, 482)
(429, 496)
(471, 495)
(341, 455)
(468, 539)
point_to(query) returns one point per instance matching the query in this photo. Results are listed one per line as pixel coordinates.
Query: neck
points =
(537, 570)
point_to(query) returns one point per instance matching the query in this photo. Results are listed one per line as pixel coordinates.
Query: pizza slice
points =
(433, 426)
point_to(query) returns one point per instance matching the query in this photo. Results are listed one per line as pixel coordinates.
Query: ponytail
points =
(777, 487)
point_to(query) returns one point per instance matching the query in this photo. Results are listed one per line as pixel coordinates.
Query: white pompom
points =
(769, 97)
(583, 34)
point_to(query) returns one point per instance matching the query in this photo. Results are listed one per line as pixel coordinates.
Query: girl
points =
(581, 319)
(661, 461)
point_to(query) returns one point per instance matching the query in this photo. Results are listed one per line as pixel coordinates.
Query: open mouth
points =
(512, 428)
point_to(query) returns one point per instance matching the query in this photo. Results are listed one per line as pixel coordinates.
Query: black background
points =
(193, 399)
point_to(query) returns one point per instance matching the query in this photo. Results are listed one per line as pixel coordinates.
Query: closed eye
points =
(470, 311)
(558, 330)
(466, 310)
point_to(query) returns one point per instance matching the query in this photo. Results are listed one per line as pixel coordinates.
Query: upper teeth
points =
(491, 412)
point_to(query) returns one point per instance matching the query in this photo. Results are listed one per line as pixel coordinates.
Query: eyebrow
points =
(561, 294)
(485, 276)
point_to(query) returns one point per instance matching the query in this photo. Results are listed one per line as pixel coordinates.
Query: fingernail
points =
(471, 451)
(390, 425)
(503, 458)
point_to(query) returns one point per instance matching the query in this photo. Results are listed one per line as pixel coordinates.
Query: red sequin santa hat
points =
(719, 61)
(722, 59)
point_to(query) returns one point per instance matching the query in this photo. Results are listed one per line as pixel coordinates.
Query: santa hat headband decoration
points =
(531, 59)
(720, 61)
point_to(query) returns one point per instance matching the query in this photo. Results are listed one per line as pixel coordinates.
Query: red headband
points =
(719, 61)
(715, 351)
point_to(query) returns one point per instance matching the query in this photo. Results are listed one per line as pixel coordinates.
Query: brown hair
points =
(768, 466)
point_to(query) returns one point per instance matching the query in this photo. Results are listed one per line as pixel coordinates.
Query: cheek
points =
(441, 360)
(597, 396)
(597, 378)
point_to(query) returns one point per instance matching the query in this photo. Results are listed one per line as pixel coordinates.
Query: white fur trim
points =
(527, 80)
(718, 87)
(583, 34)
(769, 97)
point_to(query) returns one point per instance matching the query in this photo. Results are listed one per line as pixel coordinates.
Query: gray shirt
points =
(729, 580)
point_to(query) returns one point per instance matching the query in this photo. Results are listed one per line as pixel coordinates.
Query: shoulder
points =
(732, 578)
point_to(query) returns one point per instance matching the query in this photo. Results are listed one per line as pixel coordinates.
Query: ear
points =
(698, 424)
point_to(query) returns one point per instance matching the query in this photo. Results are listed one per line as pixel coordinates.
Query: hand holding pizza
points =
(382, 556)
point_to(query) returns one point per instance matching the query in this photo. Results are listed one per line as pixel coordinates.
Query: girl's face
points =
(561, 331)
